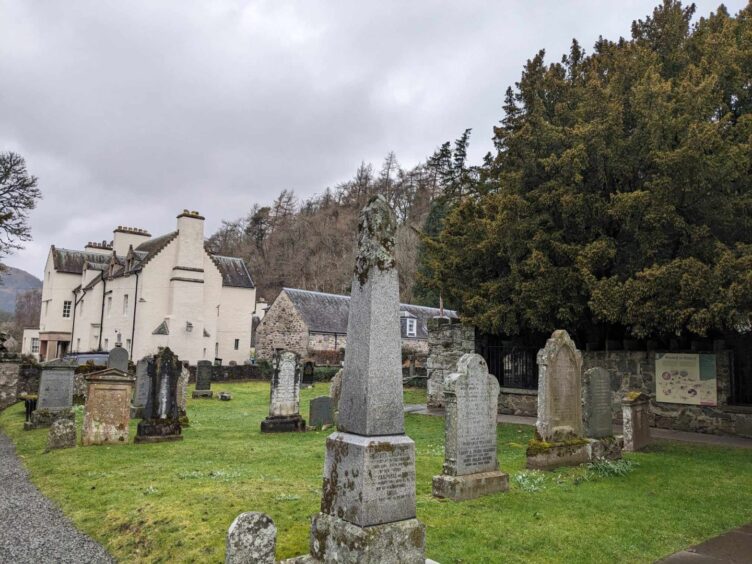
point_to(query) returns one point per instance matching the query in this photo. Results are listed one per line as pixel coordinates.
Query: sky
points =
(130, 112)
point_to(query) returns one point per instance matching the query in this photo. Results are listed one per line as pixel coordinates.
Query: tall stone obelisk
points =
(368, 503)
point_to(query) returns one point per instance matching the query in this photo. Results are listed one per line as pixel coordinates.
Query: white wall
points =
(57, 287)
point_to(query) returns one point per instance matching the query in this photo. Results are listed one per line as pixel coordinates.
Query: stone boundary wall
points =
(635, 370)
(9, 375)
(227, 373)
(518, 401)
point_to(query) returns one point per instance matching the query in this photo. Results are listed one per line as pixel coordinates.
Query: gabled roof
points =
(148, 249)
(233, 270)
(327, 313)
(72, 262)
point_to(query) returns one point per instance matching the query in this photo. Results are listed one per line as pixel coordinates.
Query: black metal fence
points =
(514, 367)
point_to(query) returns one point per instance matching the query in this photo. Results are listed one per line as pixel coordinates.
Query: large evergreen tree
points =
(621, 191)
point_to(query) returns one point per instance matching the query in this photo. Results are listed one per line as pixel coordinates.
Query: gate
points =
(514, 367)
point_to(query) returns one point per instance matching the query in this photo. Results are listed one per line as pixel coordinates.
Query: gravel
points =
(32, 528)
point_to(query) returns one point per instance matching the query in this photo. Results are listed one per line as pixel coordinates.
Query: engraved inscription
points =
(285, 396)
(564, 396)
(389, 474)
(55, 389)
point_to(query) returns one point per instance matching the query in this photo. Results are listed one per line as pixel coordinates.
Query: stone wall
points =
(518, 401)
(9, 374)
(28, 379)
(281, 328)
(635, 370)
(448, 340)
(225, 373)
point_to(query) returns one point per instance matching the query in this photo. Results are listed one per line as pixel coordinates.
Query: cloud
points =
(129, 112)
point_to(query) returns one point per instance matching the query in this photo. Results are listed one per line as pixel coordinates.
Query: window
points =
(216, 350)
(34, 345)
(66, 308)
(237, 344)
(46, 305)
(125, 304)
(109, 304)
(411, 328)
(106, 344)
(128, 345)
(204, 353)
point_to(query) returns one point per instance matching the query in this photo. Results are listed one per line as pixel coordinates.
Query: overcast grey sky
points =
(130, 111)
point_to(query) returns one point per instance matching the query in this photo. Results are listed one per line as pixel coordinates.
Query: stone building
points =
(147, 292)
(312, 323)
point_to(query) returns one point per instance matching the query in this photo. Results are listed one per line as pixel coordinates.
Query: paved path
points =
(32, 528)
(668, 434)
(734, 546)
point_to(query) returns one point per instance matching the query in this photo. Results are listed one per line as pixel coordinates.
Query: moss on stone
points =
(537, 446)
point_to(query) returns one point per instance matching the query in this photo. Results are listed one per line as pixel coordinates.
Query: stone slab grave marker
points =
(308, 371)
(251, 539)
(185, 376)
(107, 411)
(203, 380)
(284, 400)
(597, 418)
(368, 501)
(141, 392)
(118, 359)
(559, 440)
(161, 419)
(55, 393)
(62, 434)
(471, 466)
(321, 412)
(636, 425)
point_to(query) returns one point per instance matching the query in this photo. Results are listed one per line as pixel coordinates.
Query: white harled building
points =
(147, 292)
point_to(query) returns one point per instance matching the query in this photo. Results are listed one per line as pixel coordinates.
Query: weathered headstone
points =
(321, 412)
(118, 359)
(308, 371)
(185, 375)
(559, 440)
(62, 434)
(597, 419)
(141, 393)
(471, 467)
(284, 401)
(368, 503)
(203, 380)
(252, 539)
(335, 391)
(636, 415)
(161, 420)
(225, 396)
(55, 393)
(107, 411)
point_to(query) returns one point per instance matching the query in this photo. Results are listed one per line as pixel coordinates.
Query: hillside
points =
(14, 281)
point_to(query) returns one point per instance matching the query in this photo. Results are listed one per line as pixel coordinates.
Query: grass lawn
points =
(173, 502)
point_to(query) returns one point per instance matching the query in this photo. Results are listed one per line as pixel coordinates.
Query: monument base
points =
(336, 540)
(158, 430)
(137, 412)
(199, 394)
(608, 448)
(43, 418)
(470, 486)
(547, 456)
(283, 424)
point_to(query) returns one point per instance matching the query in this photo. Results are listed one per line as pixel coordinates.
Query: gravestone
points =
(597, 419)
(321, 412)
(252, 539)
(203, 380)
(161, 419)
(185, 376)
(141, 392)
(284, 402)
(368, 502)
(62, 434)
(335, 390)
(55, 393)
(636, 424)
(471, 467)
(118, 359)
(559, 440)
(308, 370)
(107, 411)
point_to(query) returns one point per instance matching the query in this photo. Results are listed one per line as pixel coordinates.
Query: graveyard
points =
(174, 501)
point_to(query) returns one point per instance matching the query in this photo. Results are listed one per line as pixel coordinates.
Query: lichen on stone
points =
(377, 227)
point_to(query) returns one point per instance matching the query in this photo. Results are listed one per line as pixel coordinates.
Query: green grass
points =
(173, 502)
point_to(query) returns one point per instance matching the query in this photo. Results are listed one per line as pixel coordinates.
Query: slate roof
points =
(234, 272)
(148, 249)
(327, 313)
(72, 262)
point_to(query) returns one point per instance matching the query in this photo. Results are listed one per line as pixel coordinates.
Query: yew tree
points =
(620, 192)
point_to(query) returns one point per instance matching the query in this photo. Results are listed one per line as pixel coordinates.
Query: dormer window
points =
(411, 327)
